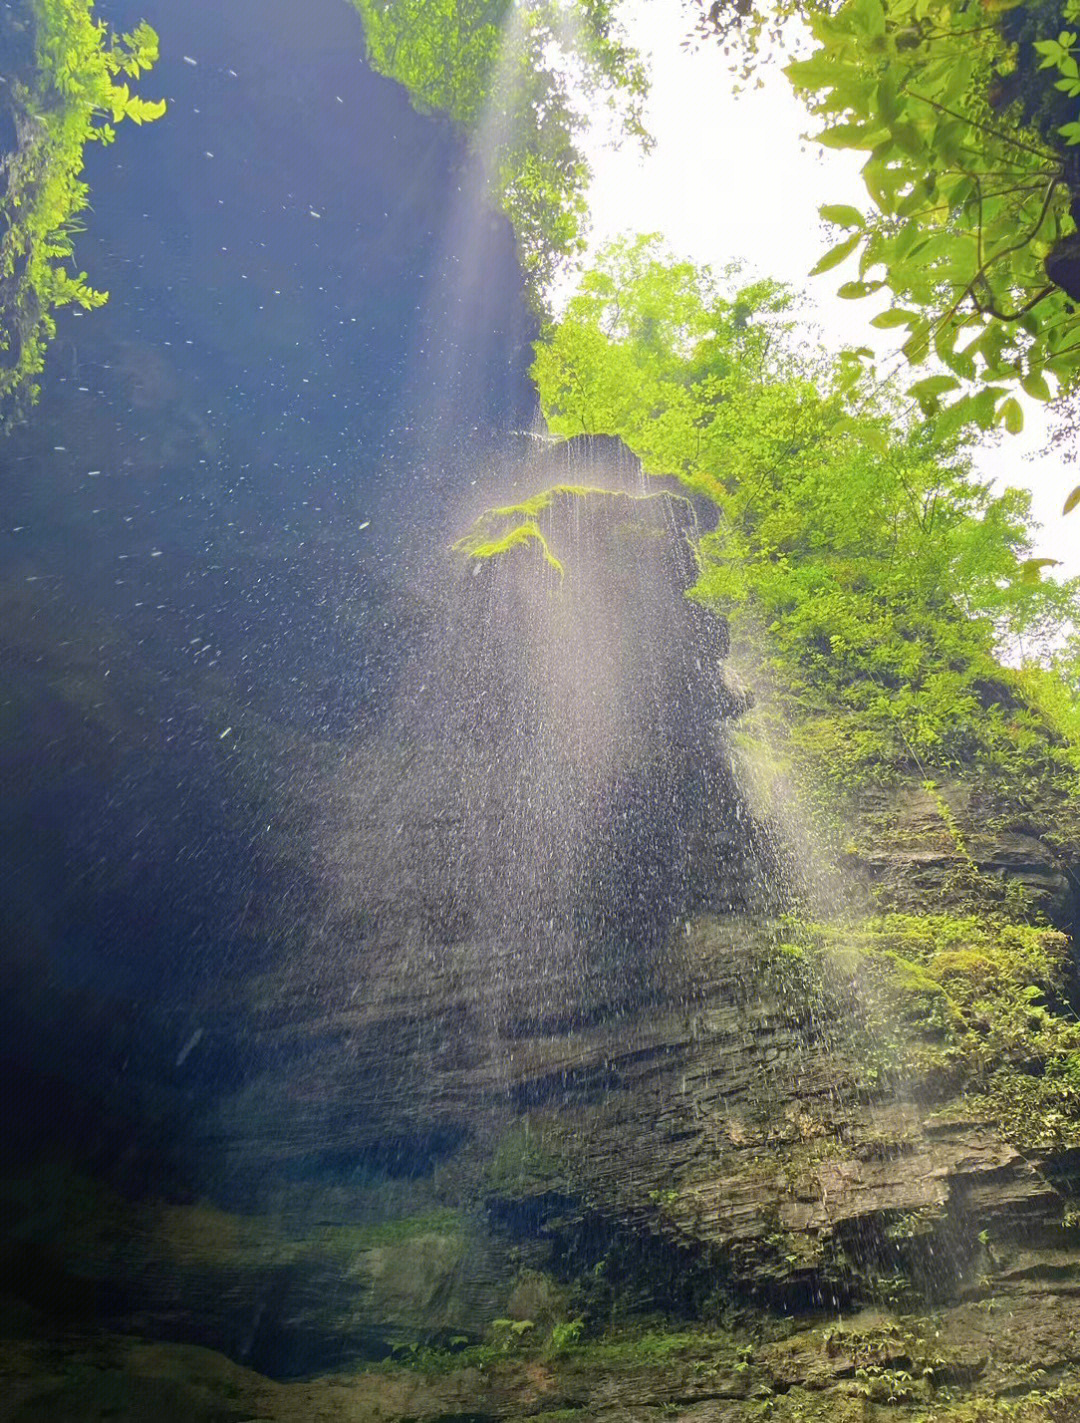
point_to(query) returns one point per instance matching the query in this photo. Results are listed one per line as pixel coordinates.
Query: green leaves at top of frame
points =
(76, 82)
(521, 79)
(963, 204)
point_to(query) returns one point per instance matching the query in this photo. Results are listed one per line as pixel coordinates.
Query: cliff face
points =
(791, 1164)
(404, 981)
(400, 981)
(729, 1198)
(194, 587)
(551, 787)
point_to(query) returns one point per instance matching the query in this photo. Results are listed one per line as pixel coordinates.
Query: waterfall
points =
(553, 784)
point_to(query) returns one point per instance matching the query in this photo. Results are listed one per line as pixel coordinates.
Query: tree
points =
(887, 577)
(968, 115)
(73, 91)
(520, 79)
(969, 209)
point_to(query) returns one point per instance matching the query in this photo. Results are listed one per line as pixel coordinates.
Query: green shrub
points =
(75, 93)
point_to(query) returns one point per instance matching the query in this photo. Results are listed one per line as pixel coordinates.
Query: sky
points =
(731, 178)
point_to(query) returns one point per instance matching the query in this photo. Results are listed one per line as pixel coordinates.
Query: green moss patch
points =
(500, 530)
(520, 536)
(951, 1004)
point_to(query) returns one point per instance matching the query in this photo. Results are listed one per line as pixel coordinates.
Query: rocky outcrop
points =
(917, 846)
(969, 1362)
(725, 1134)
(428, 1141)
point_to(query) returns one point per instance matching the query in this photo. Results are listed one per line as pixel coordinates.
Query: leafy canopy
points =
(521, 79)
(966, 204)
(870, 574)
(969, 114)
(74, 93)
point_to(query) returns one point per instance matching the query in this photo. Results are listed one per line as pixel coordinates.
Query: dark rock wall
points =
(256, 1101)
(554, 782)
(312, 324)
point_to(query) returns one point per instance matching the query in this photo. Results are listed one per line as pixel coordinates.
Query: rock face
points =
(553, 787)
(721, 1143)
(917, 842)
(495, 1047)
(532, 1158)
(403, 1163)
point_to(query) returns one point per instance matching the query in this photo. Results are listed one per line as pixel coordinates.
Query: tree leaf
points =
(1031, 568)
(928, 392)
(842, 214)
(1072, 501)
(933, 386)
(909, 139)
(851, 291)
(849, 135)
(1036, 385)
(1010, 413)
(917, 346)
(869, 16)
(888, 95)
(836, 255)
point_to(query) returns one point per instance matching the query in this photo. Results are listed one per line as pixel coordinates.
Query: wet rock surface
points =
(426, 1174)
(289, 1139)
(964, 1363)
(452, 1179)
(714, 1156)
(908, 851)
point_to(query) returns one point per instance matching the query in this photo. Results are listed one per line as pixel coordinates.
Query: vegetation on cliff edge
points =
(521, 81)
(73, 92)
(883, 596)
(950, 1004)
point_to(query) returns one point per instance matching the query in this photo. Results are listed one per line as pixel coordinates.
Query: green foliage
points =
(519, 536)
(969, 187)
(511, 526)
(651, 350)
(868, 577)
(75, 94)
(620, 1350)
(500, 530)
(968, 1002)
(649, 1347)
(1053, 692)
(397, 1231)
(565, 1334)
(506, 1334)
(520, 78)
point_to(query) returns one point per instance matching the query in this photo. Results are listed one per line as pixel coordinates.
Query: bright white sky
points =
(730, 178)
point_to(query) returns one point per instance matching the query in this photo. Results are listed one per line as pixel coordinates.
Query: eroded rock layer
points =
(768, 1168)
